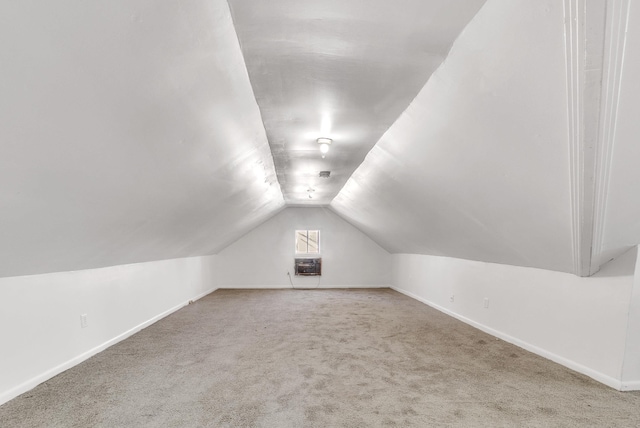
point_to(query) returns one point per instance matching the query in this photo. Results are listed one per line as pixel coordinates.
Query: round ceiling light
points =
(324, 144)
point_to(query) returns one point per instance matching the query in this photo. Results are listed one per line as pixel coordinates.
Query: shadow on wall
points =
(612, 269)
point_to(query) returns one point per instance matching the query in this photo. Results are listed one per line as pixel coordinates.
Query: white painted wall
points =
(478, 166)
(631, 367)
(40, 329)
(578, 322)
(263, 257)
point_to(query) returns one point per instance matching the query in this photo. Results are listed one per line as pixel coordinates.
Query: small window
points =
(307, 242)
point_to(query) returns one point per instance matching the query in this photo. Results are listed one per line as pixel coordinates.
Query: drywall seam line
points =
(594, 374)
(54, 371)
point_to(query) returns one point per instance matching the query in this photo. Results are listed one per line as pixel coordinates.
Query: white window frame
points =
(295, 241)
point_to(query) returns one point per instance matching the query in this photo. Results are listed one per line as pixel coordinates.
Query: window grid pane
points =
(301, 241)
(307, 242)
(312, 241)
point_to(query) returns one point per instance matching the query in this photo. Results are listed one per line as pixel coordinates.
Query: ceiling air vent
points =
(324, 174)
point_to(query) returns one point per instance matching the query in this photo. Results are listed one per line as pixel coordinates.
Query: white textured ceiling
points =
(338, 69)
(129, 133)
(478, 166)
(139, 130)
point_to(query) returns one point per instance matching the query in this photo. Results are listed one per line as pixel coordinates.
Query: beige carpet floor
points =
(318, 358)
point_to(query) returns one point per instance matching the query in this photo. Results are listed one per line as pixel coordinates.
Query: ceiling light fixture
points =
(324, 145)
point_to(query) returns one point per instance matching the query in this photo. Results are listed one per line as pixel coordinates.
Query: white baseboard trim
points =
(600, 377)
(296, 286)
(201, 295)
(37, 380)
(633, 385)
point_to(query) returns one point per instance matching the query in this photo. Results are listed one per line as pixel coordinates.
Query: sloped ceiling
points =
(129, 133)
(478, 166)
(138, 131)
(522, 147)
(338, 69)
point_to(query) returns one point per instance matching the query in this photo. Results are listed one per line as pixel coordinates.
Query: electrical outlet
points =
(486, 302)
(83, 320)
(452, 298)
